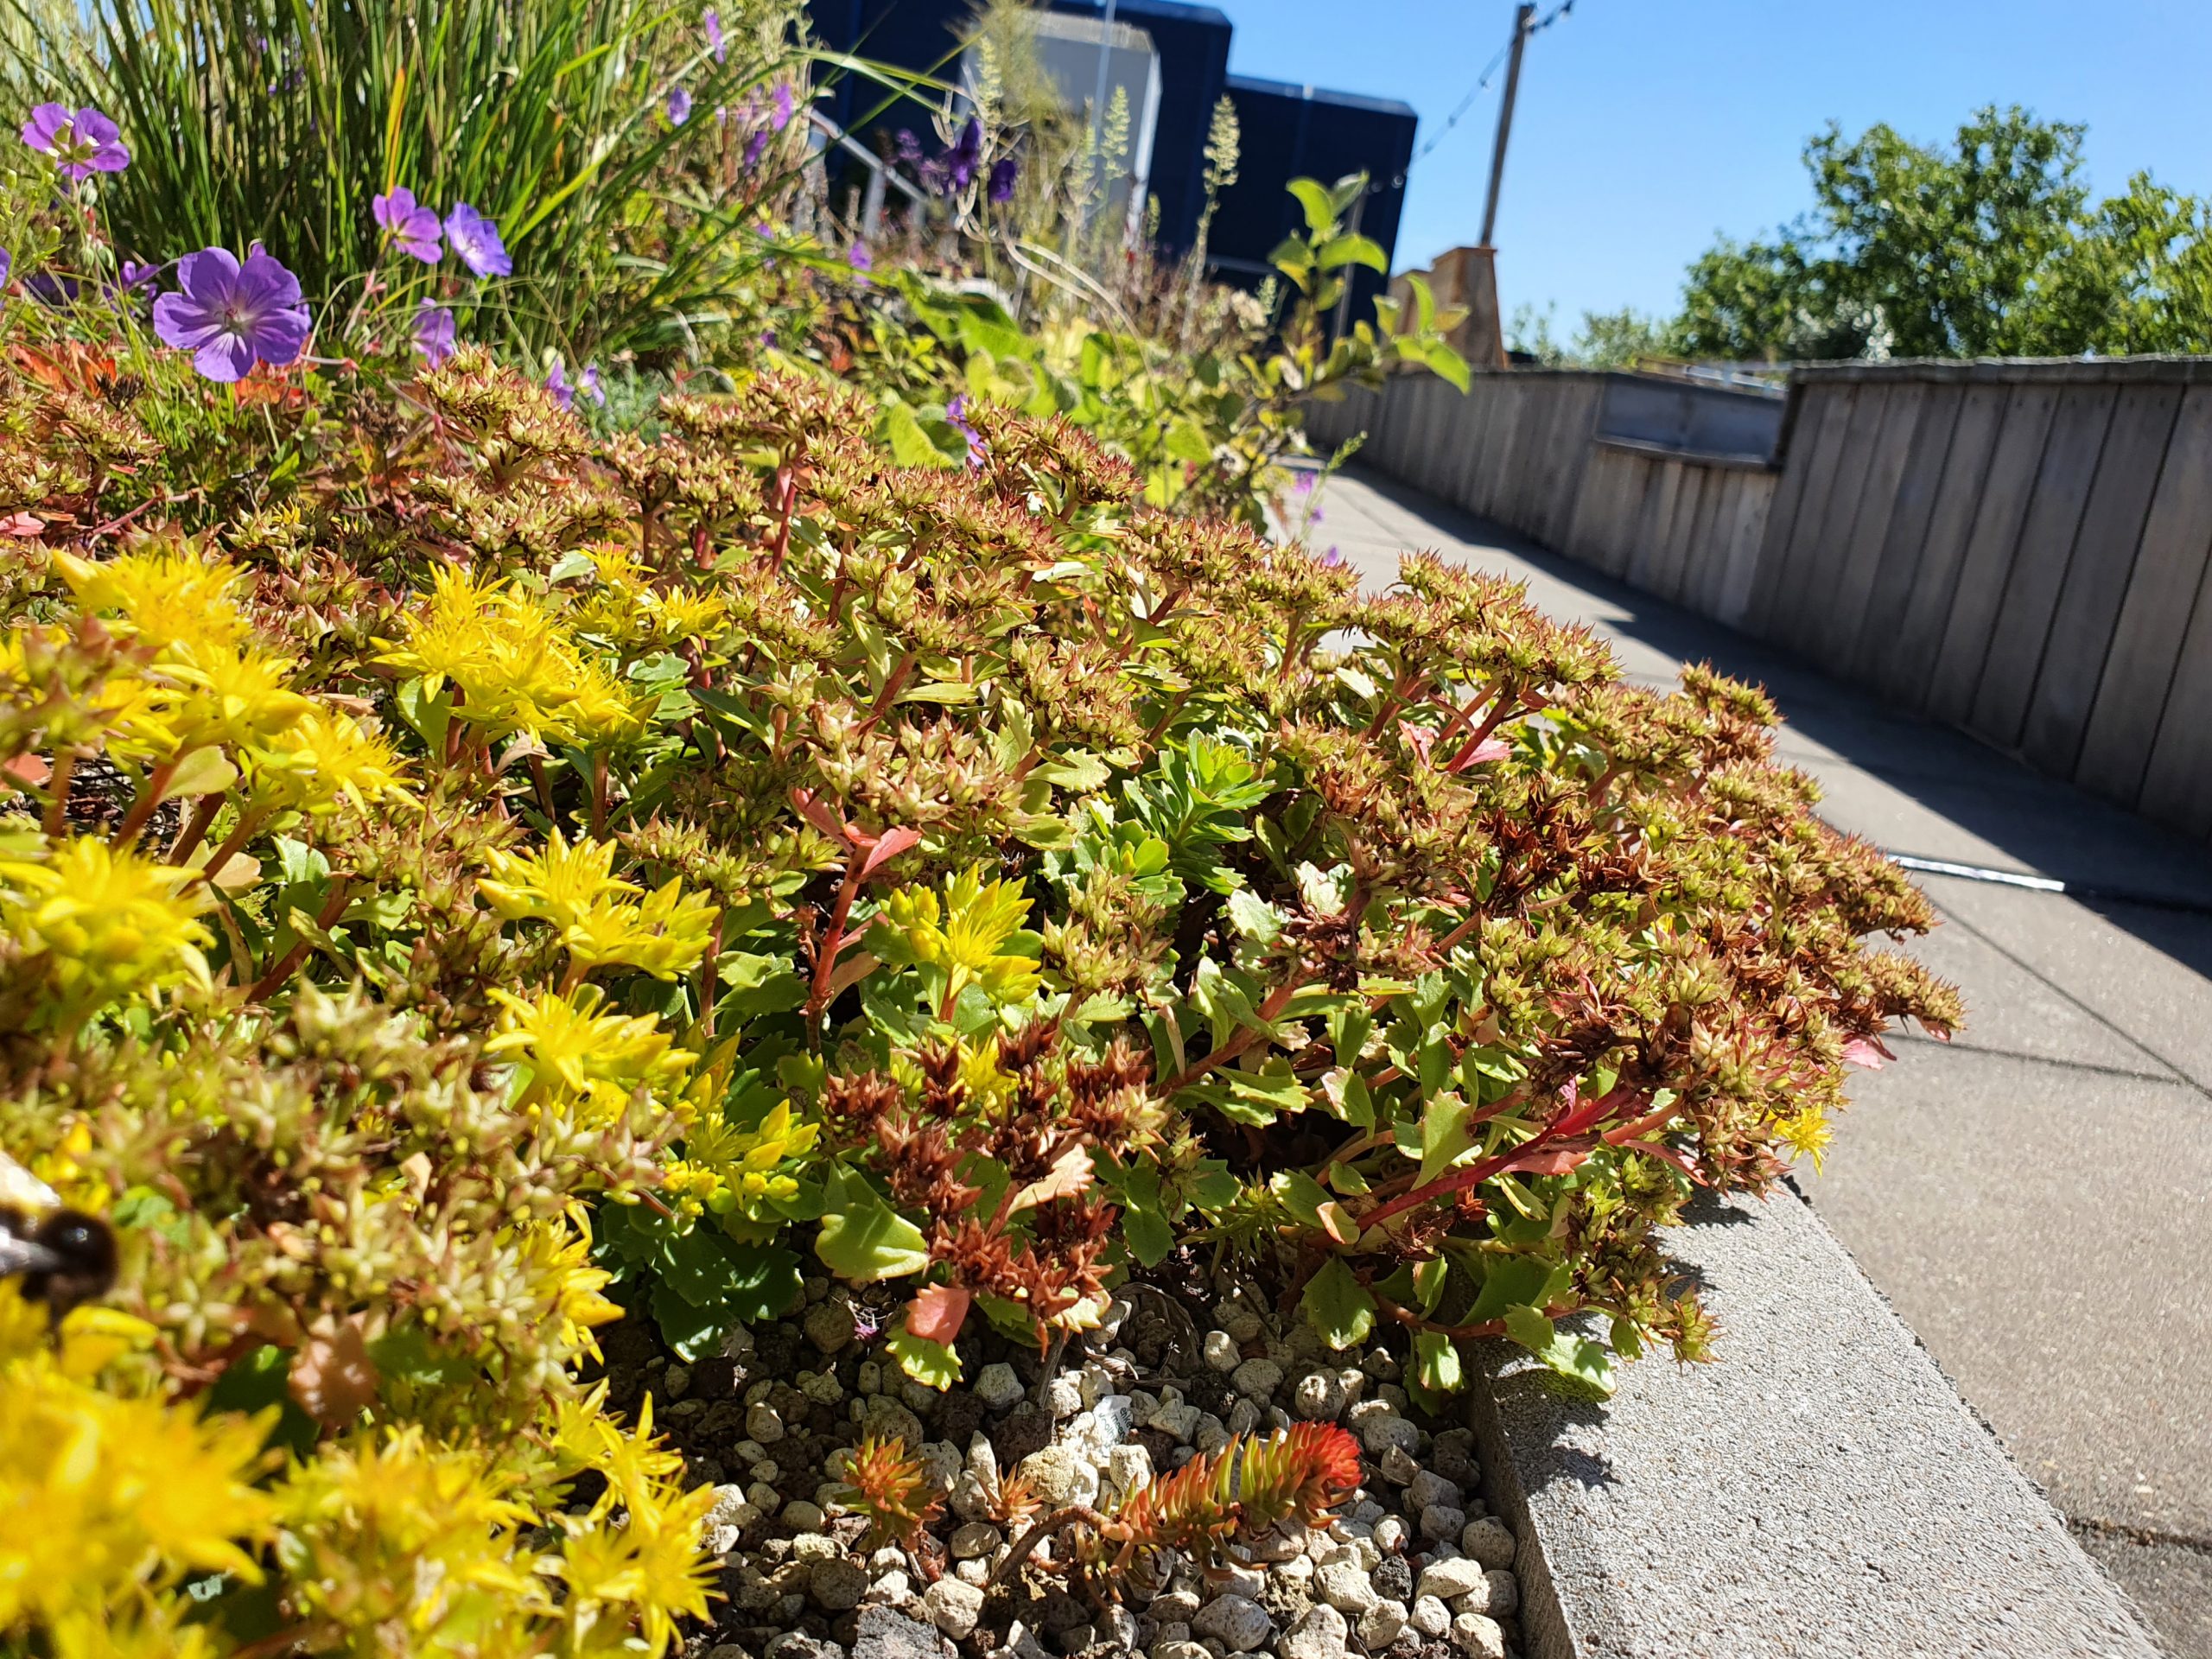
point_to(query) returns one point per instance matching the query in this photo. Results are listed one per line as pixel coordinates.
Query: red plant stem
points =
(833, 944)
(786, 499)
(332, 907)
(1461, 715)
(891, 687)
(57, 804)
(1242, 1038)
(1458, 1181)
(197, 828)
(1392, 703)
(232, 844)
(544, 788)
(1405, 1316)
(707, 976)
(149, 798)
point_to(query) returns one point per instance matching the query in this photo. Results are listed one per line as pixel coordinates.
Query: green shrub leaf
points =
(1339, 1307)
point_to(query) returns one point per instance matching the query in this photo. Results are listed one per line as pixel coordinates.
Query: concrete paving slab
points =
(2004, 1207)
(2141, 971)
(1818, 1491)
(2015, 1013)
(2170, 1583)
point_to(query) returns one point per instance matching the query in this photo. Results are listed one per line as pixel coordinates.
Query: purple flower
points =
(859, 258)
(965, 157)
(434, 335)
(910, 148)
(476, 239)
(81, 144)
(957, 413)
(137, 276)
(230, 316)
(1004, 172)
(782, 117)
(754, 147)
(7, 264)
(715, 44)
(558, 384)
(590, 385)
(679, 106)
(412, 227)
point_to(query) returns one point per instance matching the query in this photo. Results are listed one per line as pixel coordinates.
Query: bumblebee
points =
(62, 1257)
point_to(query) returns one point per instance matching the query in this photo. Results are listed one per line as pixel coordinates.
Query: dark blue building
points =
(1289, 131)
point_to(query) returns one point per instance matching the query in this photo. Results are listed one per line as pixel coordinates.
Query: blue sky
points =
(1645, 126)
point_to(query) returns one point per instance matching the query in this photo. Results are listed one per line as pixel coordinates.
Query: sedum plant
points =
(479, 877)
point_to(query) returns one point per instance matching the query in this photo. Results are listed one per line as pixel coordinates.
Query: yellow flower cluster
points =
(516, 667)
(98, 923)
(731, 1171)
(109, 1500)
(588, 1062)
(599, 916)
(625, 609)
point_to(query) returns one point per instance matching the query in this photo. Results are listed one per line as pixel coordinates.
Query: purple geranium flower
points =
(81, 144)
(232, 315)
(679, 106)
(7, 264)
(434, 335)
(965, 157)
(558, 384)
(1004, 172)
(137, 276)
(476, 239)
(957, 413)
(590, 386)
(412, 227)
(782, 116)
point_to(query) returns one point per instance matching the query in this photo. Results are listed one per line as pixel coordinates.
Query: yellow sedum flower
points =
(567, 1042)
(575, 888)
(965, 936)
(556, 1256)
(168, 597)
(559, 883)
(103, 1499)
(326, 756)
(725, 1169)
(516, 667)
(102, 925)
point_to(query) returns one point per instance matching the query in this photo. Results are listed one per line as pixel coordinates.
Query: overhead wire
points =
(1489, 72)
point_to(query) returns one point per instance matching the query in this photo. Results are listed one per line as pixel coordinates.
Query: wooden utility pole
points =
(1524, 16)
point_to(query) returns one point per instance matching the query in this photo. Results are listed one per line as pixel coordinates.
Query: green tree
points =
(1987, 247)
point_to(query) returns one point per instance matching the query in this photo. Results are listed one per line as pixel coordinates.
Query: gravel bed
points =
(1414, 1567)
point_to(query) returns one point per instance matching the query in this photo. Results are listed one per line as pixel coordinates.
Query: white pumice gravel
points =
(1413, 1567)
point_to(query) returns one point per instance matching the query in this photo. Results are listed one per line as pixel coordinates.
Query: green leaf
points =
(1436, 1361)
(1529, 1327)
(689, 1330)
(1314, 196)
(1254, 916)
(862, 1238)
(1341, 251)
(1300, 1194)
(1445, 1137)
(1187, 441)
(1428, 1281)
(1580, 1361)
(901, 431)
(932, 1364)
(1151, 1239)
(1337, 1306)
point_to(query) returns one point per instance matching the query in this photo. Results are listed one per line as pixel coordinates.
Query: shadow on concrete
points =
(2144, 880)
